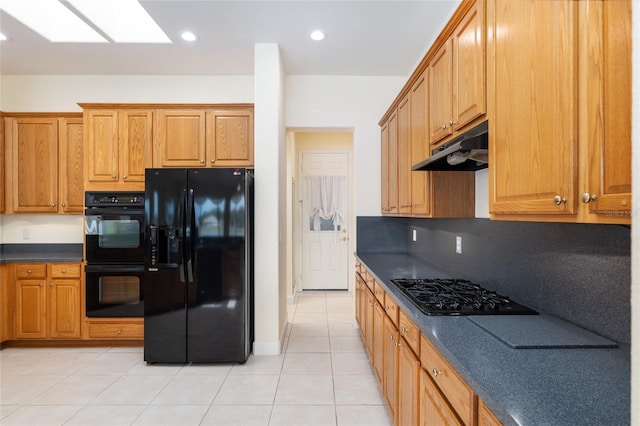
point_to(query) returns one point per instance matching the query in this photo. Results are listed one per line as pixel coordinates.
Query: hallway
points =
(323, 377)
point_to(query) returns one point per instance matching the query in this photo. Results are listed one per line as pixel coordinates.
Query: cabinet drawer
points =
(391, 308)
(115, 330)
(369, 280)
(31, 270)
(459, 395)
(410, 332)
(65, 270)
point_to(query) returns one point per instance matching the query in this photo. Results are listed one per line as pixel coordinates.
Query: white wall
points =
(347, 102)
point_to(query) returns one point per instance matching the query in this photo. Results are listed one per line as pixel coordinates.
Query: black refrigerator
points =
(198, 277)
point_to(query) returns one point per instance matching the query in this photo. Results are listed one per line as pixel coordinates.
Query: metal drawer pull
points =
(436, 372)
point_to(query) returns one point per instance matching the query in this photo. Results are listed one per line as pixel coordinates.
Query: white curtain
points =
(326, 199)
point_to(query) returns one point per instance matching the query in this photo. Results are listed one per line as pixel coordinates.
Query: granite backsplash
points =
(578, 272)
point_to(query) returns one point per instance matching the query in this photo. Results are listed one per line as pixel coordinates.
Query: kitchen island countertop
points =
(559, 386)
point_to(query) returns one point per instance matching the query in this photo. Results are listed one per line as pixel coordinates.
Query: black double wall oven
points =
(114, 251)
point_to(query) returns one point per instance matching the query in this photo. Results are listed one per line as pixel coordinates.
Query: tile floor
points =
(322, 378)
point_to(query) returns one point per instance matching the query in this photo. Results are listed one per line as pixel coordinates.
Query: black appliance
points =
(114, 290)
(114, 227)
(467, 152)
(457, 297)
(114, 253)
(198, 265)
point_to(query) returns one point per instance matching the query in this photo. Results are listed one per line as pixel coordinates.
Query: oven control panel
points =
(108, 198)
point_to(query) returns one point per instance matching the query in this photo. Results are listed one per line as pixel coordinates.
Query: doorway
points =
(321, 209)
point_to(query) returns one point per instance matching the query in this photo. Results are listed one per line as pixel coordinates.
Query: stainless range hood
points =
(467, 152)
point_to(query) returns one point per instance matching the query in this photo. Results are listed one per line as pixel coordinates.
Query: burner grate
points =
(456, 297)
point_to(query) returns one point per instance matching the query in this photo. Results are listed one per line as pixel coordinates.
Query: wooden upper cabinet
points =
(457, 78)
(392, 158)
(118, 148)
(420, 181)
(71, 165)
(2, 162)
(404, 156)
(180, 139)
(532, 95)
(230, 138)
(606, 186)
(34, 165)
(563, 154)
(384, 168)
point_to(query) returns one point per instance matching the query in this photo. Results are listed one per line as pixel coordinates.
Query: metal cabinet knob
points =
(29, 271)
(119, 331)
(559, 200)
(53, 205)
(586, 197)
(125, 177)
(436, 372)
(64, 204)
(64, 271)
(444, 127)
(201, 161)
(41, 284)
(114, 176)
(50, 284)
(213, 161)
(452, 123)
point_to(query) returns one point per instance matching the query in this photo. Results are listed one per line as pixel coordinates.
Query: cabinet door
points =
(420, 199)
(378, 341)
(607, 188)
(404, 156)
(31, 307)
(179, 138)
(469, 67)
(71, 161)
(135, 143)
(392, 158)
(230, 138)
(390, 378)
(2, 161)
(408, 385)
(35, 165)
(64, 308)
(384, 168)
(440, 94)
(533, 106)
(101, 157)
(434, 409)
(368, 317)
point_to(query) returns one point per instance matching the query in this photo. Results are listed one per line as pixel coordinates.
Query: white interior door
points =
(324, 187)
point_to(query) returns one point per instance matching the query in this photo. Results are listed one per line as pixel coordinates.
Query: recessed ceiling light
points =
(52, 20)
(317, 35)
(188, 36)
(2, 37)
(124, 21)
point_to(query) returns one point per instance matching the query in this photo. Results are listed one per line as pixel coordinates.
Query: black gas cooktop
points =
(457, 297)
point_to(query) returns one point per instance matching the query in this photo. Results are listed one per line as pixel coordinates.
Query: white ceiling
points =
(372, 38)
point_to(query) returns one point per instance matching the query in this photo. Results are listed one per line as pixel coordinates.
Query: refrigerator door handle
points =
(181, 221)
(189, 249)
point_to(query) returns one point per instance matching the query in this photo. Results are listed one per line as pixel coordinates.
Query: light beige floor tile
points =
(303, 415)
(203, 368)
(311, 293)
(309, 329)
(142, 368)
(248, 389)
(134, 349)
(132, 390)
(77, 389)
(190, 390)
(308, 344)
(317, 318)
(340, 317)
(357, 389)
(351, 363)
(260, 364)
(238, 415)
(305, 390)
(42, 363)
(341, 304)
(173, 415)
(23, 388)
(111, 363)
(307, 363)
(5, 410)
(41, 415)
(311, 304)
(363, 415)
(346, 344)
(106, 415)
(349, 328)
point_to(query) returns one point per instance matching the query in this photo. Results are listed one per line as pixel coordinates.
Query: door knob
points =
(586, 197)
(559, 200)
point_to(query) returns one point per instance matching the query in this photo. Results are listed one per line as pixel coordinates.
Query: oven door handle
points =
(113, 268)
(113, 211)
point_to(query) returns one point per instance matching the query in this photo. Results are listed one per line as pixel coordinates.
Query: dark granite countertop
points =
(19, 253)
(558, 386)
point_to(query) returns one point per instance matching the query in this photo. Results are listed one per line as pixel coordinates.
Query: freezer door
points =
(218, 296)
(165, 314)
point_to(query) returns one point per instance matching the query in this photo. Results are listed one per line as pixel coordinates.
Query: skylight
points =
(76, 21)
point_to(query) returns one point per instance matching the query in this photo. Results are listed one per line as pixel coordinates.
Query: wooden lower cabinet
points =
(378, 340)
(486, 417)
(408, 385)
(434, 409)
(47, 301)
(390, 362)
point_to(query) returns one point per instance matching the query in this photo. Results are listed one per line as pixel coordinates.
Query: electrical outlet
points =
(26, 233)
(415, 235)
(458, 244)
